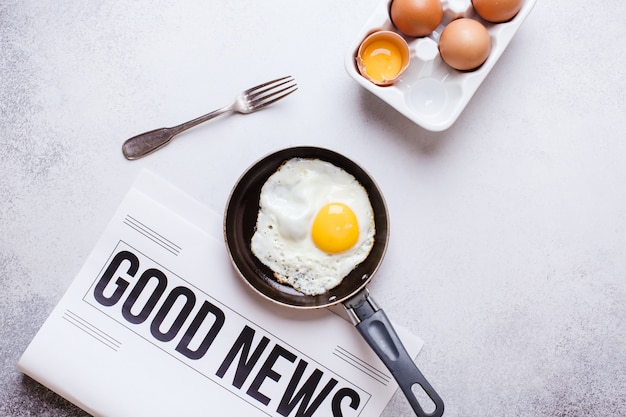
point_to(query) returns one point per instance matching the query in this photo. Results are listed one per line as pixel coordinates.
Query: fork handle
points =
(145, 143)
(148, 142)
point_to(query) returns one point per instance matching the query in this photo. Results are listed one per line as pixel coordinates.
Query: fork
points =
(248, 101)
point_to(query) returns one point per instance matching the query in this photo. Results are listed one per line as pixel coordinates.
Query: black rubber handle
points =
(375, 327)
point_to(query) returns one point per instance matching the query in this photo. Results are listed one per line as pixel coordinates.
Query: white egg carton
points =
(431, 93)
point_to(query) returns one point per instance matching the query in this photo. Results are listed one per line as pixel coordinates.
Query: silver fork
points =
(249, 101)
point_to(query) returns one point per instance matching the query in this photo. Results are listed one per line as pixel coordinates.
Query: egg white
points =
(288, 204)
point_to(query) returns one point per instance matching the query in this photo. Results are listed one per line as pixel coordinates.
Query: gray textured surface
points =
(508, 251)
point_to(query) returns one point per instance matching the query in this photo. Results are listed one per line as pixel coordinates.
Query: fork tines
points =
(271, 91)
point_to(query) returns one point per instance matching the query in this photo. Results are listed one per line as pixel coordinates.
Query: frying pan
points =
(371, 321)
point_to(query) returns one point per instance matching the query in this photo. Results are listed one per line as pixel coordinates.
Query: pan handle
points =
(374, 326)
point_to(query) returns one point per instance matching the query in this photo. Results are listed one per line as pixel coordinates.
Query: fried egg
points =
(315, 224)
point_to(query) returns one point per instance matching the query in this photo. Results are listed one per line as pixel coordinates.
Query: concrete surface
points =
(508, 230)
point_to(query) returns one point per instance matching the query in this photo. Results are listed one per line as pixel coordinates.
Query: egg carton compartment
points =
(430, 92)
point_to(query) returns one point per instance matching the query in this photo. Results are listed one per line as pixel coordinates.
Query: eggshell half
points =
(401, 48)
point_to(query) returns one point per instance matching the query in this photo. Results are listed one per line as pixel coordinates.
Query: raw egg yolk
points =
(382, 60)
(335, 228)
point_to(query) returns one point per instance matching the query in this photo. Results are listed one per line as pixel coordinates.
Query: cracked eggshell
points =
(366, 55)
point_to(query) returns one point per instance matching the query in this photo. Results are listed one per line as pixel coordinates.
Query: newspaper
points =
(158, 323)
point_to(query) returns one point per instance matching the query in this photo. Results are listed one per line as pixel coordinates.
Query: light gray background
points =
(508, 231)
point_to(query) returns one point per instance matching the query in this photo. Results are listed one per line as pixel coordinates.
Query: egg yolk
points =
(382, 60)
(335, 228)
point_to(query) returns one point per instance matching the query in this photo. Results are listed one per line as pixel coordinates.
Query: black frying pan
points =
(373, 324)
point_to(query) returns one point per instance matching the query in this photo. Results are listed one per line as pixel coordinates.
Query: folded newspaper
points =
(157, 323)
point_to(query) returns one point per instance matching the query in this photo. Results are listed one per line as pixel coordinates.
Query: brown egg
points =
(416, 18)
(497, 11)
(464, 44)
